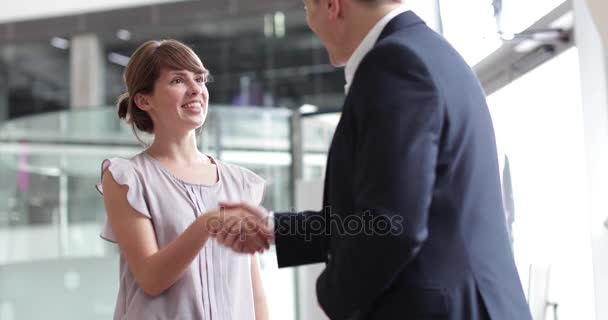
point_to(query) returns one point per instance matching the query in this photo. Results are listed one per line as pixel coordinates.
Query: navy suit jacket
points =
(413, 224)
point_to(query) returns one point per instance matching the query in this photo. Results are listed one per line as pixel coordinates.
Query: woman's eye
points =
(200, 80)
(177, 81)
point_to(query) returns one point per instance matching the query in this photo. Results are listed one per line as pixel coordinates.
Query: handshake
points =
(241, 227)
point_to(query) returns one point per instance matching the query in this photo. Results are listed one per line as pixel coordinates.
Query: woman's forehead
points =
(183, 72)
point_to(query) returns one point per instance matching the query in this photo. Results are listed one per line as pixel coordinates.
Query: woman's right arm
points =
(154, 269)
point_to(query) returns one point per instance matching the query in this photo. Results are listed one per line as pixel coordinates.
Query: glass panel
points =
(34, 77)
(539, 127)
(317, 133)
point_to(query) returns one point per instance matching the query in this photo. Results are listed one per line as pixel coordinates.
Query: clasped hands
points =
(241, 227)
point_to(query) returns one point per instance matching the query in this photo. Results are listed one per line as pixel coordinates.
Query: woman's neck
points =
(181, 150)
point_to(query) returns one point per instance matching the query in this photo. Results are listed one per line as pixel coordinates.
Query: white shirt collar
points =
(367, 44)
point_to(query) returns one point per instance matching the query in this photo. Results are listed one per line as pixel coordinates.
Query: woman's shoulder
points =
(252, 184)
(124, 171)
(134, 167)
(135, 162)
(236, 171)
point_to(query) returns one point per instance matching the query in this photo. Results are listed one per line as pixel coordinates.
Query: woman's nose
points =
(195, 88)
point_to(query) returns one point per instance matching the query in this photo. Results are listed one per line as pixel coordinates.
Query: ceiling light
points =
(279, 24)
(308, 108)
(118, 59)
(564, 22)
(60, 43)
(123, 34)
(507, 36)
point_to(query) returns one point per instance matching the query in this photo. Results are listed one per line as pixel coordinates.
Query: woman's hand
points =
(238, 228)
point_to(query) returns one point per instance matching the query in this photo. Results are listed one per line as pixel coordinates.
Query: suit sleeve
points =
(300, 238)
(398, 118)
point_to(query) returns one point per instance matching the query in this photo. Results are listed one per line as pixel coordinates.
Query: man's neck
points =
(362, 20)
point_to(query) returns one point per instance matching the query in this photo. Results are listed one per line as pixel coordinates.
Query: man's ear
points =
(334, 8)
(142, 101)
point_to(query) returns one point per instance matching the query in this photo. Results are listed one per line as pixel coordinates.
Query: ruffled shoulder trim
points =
(125, 174)
(254, 186)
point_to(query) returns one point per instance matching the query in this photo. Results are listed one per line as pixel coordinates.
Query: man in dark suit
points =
(413, 225)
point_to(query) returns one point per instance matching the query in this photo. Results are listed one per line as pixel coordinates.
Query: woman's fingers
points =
(243, 231)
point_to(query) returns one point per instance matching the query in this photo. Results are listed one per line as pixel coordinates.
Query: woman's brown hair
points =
(143, 70)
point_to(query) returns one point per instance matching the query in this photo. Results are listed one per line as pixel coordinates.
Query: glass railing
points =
(50, 162)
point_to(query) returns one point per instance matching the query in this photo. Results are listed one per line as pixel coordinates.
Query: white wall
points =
(33, 9)
(539, 124)
(594, 93)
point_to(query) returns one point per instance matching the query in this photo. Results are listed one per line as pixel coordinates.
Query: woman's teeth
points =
(192, 105)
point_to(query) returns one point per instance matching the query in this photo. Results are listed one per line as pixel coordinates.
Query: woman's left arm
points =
(259, 296)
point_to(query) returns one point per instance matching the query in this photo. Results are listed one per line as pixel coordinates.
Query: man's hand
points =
(241, 227)
(244, 228)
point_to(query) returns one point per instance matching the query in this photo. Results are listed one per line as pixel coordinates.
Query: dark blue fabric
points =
(414, 149)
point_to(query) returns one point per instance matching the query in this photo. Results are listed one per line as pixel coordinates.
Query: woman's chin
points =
(195, 124)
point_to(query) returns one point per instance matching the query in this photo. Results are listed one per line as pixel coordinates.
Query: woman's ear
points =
(142, 101)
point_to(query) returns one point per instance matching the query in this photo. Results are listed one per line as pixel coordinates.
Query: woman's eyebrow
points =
(182, 73)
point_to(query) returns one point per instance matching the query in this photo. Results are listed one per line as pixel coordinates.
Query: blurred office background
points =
(275, 102)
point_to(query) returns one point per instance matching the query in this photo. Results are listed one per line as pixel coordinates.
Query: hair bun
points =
(123, 105)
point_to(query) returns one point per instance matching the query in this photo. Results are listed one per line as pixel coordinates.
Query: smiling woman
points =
(162, 204)
(175, 66)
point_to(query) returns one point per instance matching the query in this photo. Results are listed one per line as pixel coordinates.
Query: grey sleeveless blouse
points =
(217, 285)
